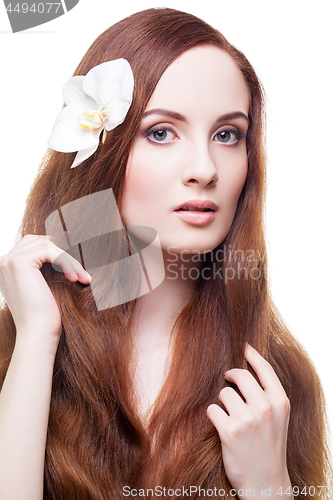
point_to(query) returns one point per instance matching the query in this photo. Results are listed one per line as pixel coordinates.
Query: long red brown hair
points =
(96, 444)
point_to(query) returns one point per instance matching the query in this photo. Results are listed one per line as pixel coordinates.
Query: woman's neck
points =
(155, 316)
(157, 311)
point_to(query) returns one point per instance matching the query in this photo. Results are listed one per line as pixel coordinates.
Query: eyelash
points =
(150, 131)
(239, 135)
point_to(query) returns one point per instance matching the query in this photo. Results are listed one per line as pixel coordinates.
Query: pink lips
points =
(197, 216)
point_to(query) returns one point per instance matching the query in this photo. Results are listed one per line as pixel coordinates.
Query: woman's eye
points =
(228, 137)
(162, 135)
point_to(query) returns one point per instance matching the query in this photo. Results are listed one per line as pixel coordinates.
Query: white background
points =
(290, 45)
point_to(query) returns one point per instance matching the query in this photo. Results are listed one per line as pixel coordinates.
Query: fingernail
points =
(88, 275)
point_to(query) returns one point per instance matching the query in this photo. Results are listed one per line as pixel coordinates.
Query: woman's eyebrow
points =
(165, 112)
(182, 118)
(232, 116)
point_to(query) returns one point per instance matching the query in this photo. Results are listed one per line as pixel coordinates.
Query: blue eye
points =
(160, 135)
(229, 137)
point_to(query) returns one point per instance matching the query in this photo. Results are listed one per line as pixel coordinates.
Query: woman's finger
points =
(71, 267)
(219, 419)
(232, 401)
(35, 250)
(267, 376)
(246, 383)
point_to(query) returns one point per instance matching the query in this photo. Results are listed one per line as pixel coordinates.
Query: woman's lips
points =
(195, 216)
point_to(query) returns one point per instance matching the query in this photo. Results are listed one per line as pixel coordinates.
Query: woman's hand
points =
(25, 290)
(254, 434)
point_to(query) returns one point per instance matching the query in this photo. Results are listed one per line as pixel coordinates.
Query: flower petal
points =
(105, 92)
(67, 134)
(83, 155)
(108, 80)
(116, 112)
(73, 93)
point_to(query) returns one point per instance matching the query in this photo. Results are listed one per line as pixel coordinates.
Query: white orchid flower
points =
(96, 102)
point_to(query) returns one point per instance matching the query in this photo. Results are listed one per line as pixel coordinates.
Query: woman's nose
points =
(199, 167)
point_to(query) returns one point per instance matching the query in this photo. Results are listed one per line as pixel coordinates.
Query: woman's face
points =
(190, 151)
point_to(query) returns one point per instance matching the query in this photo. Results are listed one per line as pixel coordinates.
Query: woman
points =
(196, 386)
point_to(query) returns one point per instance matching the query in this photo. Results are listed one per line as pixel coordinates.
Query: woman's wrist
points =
(279, 489)
(282, 490)
(37, 342)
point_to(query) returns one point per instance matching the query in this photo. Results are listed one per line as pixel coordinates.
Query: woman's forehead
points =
(202, 73)
(203, 76)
